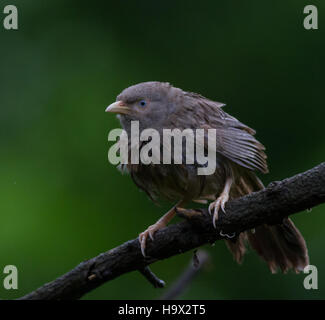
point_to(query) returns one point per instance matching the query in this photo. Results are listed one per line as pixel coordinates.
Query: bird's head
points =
(149, 102)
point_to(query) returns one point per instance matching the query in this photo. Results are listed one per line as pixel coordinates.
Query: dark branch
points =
(152, 278)
(200, 259)
(268, 206)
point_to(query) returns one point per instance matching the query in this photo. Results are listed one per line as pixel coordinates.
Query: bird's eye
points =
(143, 103)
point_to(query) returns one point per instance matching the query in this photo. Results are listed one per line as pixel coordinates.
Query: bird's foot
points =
(161, 223)
(149, 232)
(215, 206)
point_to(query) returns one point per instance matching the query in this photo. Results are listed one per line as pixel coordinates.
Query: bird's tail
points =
(281, 246)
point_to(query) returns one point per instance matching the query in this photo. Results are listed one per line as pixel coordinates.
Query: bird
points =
(239, 156)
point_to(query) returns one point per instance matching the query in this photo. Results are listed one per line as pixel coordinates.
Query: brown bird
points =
(161, 106)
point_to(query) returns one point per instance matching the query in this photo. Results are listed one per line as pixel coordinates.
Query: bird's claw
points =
(215, 206)
(149, 232)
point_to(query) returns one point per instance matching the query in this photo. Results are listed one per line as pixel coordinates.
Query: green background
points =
(61, 202)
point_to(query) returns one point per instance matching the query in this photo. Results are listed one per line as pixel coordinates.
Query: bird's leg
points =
(221, 201)
(187, 213)
(161, 223)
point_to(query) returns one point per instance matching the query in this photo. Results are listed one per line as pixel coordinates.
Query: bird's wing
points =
(235, 140)
(241, 147)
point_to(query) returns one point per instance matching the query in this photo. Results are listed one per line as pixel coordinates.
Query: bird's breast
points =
(174, 182)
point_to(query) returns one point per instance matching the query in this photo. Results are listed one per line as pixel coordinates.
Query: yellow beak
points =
(118, 107)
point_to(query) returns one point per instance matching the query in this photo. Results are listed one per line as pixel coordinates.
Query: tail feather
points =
(281, 246)
(238, 247)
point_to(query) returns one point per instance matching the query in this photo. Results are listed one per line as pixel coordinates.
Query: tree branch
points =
(152, 278)
(268, 206)
(200, 259)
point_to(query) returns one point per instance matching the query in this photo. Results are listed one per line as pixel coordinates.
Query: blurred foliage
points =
(61, 202)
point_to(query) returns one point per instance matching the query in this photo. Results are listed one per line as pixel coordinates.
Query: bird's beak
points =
(118, 107)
